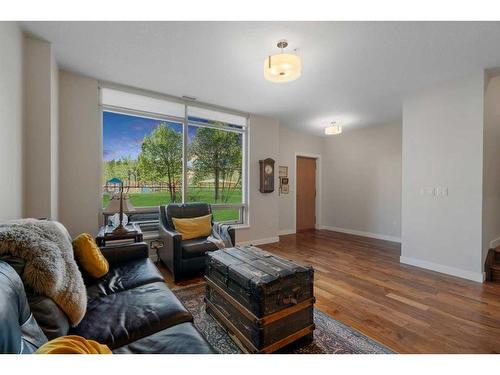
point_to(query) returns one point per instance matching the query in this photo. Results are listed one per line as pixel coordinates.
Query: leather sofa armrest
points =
(169, 233)
(169, 236)
(126, 252)
(170, 252)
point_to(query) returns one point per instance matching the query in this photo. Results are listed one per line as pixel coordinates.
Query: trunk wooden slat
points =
(264, 301)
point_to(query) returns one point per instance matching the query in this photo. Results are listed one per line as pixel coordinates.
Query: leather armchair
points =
(184, 258)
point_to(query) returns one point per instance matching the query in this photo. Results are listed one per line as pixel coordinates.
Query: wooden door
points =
(305, 194)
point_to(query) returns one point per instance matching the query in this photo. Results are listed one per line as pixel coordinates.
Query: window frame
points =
(244, 130)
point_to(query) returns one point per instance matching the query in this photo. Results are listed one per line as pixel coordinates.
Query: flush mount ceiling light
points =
(282, 67)
(333, 129)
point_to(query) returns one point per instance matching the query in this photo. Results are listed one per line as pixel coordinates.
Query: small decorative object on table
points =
(107, 233)
(263, 301)
(119, 203)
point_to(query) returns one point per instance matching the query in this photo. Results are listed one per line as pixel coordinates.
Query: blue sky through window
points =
(124, 134)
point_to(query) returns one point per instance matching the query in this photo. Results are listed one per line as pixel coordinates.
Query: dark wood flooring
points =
(360, 282)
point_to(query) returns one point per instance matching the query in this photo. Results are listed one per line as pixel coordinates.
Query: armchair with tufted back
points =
(184, 258)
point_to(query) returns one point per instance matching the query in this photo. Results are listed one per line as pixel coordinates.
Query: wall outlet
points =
(438, 191)
(442, 191)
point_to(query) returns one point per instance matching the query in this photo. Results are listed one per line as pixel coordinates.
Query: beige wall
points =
(40, 130)
(11, 122)
(362, 182)
(291, 143)
(80, 154)
(264, 208)
(54, 139)
(80, 158)
(443, 148)
(491, 170)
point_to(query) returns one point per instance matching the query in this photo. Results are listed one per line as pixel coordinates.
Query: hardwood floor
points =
(360, 282)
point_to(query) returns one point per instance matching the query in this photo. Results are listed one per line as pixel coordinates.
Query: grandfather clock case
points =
(266, 175)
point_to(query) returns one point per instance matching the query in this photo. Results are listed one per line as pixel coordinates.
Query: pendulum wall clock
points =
(266, 175)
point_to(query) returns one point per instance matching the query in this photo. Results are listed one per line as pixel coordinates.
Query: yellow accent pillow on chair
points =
(194, 227)
(89, 256)
(73, 345)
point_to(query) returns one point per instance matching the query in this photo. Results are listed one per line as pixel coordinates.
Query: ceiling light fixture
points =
(282, 67)
(333, 129)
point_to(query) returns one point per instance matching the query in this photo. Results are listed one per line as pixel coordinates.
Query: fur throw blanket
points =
(50, 267)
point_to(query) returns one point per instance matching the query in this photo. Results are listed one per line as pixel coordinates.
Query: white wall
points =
(264, 208)
(292, 143)
(443, 147)
(362, 182)
(80, 158)
(54, 139)
(80, 154)
(491, 170)
(40, 129)
(11, 122)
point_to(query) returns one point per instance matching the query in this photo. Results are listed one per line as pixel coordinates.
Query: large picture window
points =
(163, 158)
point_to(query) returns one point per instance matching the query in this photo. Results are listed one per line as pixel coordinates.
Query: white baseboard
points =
(474, 276)
(361, 233)
(261, 241)
(495, 243)
(284, 232)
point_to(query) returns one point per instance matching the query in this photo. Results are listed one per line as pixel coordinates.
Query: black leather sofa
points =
(184, 258)
(131, 310)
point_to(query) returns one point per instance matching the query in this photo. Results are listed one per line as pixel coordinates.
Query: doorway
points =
(305, 194)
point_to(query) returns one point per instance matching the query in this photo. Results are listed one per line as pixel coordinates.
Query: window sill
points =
(241, 226)
(151, 235)
(154, 234)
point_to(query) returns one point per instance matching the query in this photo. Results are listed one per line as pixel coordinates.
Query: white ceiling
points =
(353, 72)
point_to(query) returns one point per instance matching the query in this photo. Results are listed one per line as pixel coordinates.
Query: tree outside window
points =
(146, 154)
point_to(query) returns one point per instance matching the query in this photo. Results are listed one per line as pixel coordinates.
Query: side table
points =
(106, 234)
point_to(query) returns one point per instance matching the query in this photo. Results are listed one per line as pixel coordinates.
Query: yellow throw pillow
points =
(88, 254)
(194, 227)
(73, 345)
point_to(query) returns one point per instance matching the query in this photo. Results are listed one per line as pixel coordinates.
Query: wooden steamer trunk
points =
(264, 302)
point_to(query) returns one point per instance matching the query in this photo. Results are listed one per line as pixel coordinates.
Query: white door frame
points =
(318, 188)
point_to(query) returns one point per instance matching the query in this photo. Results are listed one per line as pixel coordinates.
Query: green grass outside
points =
(194, 195)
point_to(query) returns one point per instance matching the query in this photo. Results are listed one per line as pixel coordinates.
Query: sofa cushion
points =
(73, 345)
(184, 211)
(125, 276)
(197, 247)
(89, 256)
(120, 318)
(51, 319)
(179, 339)
(49, 316)
(194, 227)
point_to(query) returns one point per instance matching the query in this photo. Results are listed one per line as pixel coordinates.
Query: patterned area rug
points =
(330, 335)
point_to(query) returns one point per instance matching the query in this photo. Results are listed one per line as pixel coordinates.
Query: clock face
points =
(268, 169)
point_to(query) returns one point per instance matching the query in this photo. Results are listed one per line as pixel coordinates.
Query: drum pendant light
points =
(282, 67)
